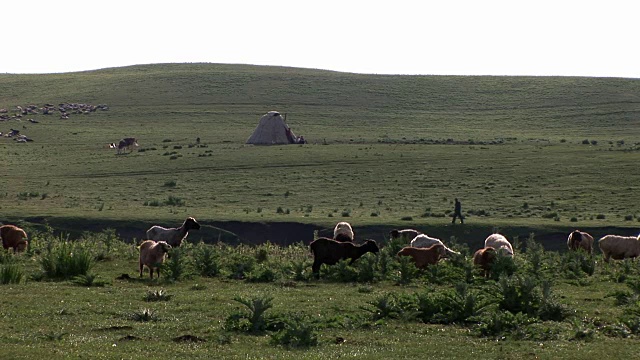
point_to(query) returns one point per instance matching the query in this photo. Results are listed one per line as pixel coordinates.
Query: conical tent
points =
(272, 130)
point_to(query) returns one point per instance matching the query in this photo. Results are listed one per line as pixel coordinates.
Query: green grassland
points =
(539, 155)
(382, 148)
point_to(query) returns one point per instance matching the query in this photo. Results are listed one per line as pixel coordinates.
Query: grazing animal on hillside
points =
(173, 236)
(405, 234)
(425, 241)
(580, 240)
(329, 251)
(127, 143)
(424, 257)
(499, 243)
(484, 258)
(343, 232)
(152, 255)
(14, 238)
(619, 247)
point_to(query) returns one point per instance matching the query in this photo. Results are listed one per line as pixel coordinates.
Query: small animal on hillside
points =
(173, 236)
(14, 238)
(343, 232)
(423, 257)
(484, 258)
(499, 243)
(580, 240)
(127, 143)
(152, 255)
(619, 247)
(329, 251)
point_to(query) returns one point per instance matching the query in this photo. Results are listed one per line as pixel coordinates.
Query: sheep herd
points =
(422, 249)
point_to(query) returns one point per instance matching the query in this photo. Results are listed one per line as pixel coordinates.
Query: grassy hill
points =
(540, 152)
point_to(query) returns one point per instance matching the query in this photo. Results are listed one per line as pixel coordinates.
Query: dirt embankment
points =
(286, 233)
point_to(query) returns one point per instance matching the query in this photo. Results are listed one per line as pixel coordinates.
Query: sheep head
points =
(394, 233)
(191, 224)
(164, 245)
(371, 246)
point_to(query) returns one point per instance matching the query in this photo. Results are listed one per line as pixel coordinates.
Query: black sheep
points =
(328, 251)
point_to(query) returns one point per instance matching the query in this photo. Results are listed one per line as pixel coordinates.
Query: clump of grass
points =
(88, 280)
(170, 183)
(143, 315)
(65, 260)
(11, 274)
(157, 295)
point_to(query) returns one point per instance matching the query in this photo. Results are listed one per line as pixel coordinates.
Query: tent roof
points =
(271, 130)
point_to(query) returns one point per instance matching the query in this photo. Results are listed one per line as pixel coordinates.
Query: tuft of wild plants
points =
(157, 295)
(11, 274)
(205, 260)
(143, 315)
(65, 260)
(254, 319)
(88, 280)
(298, 332)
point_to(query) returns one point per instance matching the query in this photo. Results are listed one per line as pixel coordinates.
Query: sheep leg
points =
(316, 268)
(141, 269)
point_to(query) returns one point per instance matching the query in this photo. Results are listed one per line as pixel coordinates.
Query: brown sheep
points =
(619, 247)
(329, 251)
(424, 257)
(13, 237)
(484, 258)
(580, 240)
(152, 254)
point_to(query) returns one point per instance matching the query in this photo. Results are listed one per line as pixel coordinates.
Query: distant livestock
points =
(499, 243)
(423, 257)
(173, 236)
(152, 255)
(580, 240)
(619, 247)
(14, 238)
(329, 251)
(425, 241)
(127, 143)
(405, 234)
(484, 258)
(343, 232)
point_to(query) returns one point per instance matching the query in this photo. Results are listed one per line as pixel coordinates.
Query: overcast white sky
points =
(449, 37)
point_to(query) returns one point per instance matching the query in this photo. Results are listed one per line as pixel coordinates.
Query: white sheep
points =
(405, 234)
(343, 232)
(500, 243)
(173, 236)
(152, 255)
(619, 247)
(425, 241)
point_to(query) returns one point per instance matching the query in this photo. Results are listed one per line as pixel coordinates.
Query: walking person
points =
(457, 212)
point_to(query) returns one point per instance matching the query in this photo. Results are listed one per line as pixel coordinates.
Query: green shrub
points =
(88, 280)
(65, 260)
(176, 266)
(298, 332)
(503, 266)
(239, 264)
(11, 274)
(253, 319)
(143, 315)
(205, 260)
(406, 271)
(501, 323)
(262, 274)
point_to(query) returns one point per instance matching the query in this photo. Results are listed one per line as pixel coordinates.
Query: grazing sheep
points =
(484, 258)
(406, 234)
(13, 237)
(343, 232)
(152, 255)
(619, 247)
(580, 240)
(424, 257)
(173, 236)
(425, 241)
(499, 243)
(329, 251)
